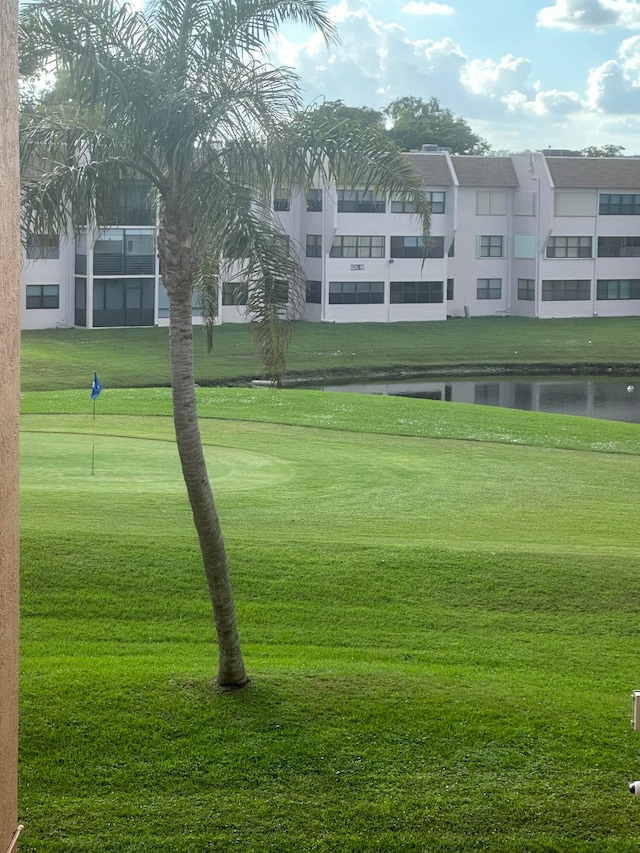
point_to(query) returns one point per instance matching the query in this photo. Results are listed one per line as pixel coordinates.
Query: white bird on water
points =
(630, 388)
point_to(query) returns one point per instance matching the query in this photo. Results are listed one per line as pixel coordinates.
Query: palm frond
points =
(316, 150)
(98, 42)
(245, 26)
(70, 168)
(206, 286)
(180, 94)
(253, 256)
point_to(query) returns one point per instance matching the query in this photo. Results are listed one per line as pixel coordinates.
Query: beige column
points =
(9, 402)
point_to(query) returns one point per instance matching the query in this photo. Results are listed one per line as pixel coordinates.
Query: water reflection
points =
(616, 399)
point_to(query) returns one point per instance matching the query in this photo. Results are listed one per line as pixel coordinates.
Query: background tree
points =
(179, 95)
(339, 111)
(602, 151)
(415, 123)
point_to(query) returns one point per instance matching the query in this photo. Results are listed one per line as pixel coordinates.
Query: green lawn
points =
(439, 608)
(63, 358)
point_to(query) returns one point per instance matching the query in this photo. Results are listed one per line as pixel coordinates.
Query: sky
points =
(525, 74)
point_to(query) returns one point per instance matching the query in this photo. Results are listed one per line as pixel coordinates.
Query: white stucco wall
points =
(55, 271)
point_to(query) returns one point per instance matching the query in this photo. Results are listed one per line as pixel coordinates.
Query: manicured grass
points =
(63, 358)
(351, 412)
(438, 604)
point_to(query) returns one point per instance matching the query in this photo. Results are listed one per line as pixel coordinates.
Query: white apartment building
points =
(529, 235)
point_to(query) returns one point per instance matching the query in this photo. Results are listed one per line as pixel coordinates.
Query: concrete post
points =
(9, 403)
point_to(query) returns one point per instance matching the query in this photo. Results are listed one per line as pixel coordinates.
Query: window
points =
(237, 249)
(127, 204)
(449, 289)
(490, 246)
(403, 292)
(43, 296)
(282, 243)
(360, 201)
(43, 247)
(314, 201)
(398, 206)
(281, 200)
(357, 246)
(566, 290)
(436, 203)
(436, 247)
(123, 302)
(80, 318)
(243, 247)
(491, 203)
(489, 288)
(276, 291)
(124, 252)
(81, 254)
(356, 292)
(108, 254)
(314, 292)
(413, 247)
(618, 288)
(526, 289)
(196, 303)
(234, 293)
(569, 247)
(314, 246)
(619, 204)
(619, 247)
(575, 203)
(139, 253)
(524, 246)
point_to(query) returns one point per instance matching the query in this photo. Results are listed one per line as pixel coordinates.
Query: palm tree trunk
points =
(231, 670)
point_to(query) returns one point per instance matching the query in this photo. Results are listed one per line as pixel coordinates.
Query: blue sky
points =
(526, 74)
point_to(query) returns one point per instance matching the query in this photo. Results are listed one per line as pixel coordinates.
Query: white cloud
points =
(629, 53)
(591, 15)
(556, 103)
(550, 104)
(344, 8)
(616, 128)
(416, 8)
(377, 62)
(614, 89)
(614, 86)
(487, 77)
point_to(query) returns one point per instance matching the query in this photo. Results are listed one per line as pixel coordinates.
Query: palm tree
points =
(181, 95)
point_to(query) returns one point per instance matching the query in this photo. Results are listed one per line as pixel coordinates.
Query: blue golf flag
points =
(96, 387)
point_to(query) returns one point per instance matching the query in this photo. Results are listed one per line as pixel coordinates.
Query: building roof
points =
(484, 171)
(621, 173)
(432, 168)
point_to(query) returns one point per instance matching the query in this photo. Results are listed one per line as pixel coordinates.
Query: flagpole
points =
(96, 388)
(93, 445)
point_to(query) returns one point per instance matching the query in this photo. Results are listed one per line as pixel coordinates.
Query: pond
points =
(611, 398)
